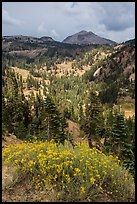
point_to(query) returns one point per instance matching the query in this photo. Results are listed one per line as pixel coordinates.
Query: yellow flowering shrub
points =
(77, 173)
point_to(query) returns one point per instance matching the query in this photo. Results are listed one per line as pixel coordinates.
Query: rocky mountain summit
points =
(85, 37)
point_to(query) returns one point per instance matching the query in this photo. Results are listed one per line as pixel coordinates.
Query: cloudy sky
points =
(112, 20)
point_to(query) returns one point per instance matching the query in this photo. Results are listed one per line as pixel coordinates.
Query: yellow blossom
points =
(82, 189)
(92, 180)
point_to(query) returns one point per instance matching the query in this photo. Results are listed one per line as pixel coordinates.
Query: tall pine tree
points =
(54, 123)
(118, 133)
(92, 122)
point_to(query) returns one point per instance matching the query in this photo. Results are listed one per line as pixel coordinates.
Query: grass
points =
(74, 174)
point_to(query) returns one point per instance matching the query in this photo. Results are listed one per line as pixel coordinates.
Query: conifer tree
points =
(118, 128)
(53, 120)
(38, 113)
(118, 133)
(93, 121)
(122, 141)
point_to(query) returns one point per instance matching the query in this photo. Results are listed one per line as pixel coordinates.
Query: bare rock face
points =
(84, 38)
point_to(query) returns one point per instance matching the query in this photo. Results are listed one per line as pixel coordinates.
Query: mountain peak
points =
(83, 37)
(83, 32)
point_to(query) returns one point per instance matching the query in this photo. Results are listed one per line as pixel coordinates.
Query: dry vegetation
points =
(22, 72)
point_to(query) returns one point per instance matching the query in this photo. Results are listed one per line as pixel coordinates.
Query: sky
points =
(111, 20)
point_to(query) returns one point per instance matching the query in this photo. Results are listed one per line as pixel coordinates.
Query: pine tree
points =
(54, 122)
(122, 141)
(118, 128)
(16, 111)
(118, 133)
(93, 121)
(129, 147)
(38, 114)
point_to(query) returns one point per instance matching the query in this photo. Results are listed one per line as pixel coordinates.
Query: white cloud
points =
(44, 29)
(112, 20)
(41, 28)
(7, 19)
(54, 33)
(121, 36)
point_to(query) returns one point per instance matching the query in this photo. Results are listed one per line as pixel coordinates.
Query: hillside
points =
(119, 63)
(112, 65)
(29, 47)
(66, 110)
